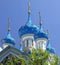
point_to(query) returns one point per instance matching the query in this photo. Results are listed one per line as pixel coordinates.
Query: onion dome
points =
(29, 28)
(41, 33)
(9, 39)
(49, 48)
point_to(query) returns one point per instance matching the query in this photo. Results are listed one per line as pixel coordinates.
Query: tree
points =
(56, 60)
(37, 57)
(13, 60)
(40, 57)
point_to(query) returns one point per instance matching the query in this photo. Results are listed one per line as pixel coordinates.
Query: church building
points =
(30, 35)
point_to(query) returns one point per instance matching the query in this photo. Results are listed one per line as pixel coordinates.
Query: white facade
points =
(28, 41)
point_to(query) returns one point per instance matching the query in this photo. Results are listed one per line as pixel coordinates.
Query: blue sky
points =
(17, 11)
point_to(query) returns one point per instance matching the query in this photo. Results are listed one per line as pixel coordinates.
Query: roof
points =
(49, 48)
(41, 33)
(11, 50)
(8, 39)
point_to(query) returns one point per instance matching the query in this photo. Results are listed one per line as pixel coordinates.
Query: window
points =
(27, 43)
(40, 44)
(32, 43)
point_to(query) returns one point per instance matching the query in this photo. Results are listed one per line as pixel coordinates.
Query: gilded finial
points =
(8, 24)
(40, 19)
(29, 8)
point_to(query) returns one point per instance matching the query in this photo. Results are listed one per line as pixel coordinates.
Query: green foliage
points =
(56, 61)
(13, 60)
(1, 63)
(38, 57)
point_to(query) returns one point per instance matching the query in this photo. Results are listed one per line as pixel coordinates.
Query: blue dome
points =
(41, 34)
(28, 29)
(8, 39)
(49, 48)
